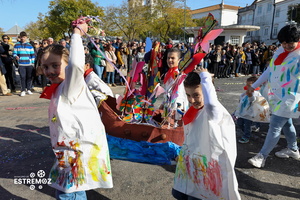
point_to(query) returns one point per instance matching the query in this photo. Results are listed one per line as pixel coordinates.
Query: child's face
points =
(173, 59)
(289, 46)
(249, 83)
(195, 96)
(53, 67)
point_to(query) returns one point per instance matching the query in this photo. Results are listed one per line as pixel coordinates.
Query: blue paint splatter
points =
(296, 87)
(297, 69)
(288, 75)
(296, 108)
(292, 60)
(283, 92)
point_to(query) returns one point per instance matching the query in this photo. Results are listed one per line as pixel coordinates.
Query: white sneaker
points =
(22, 94)
(29, 92)
(257, 161)
(286, 153)
(255, 129)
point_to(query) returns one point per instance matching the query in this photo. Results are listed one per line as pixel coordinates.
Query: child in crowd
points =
(78, 137)
(174, 56)
(205, 168)
(96, 85)
(245, 111)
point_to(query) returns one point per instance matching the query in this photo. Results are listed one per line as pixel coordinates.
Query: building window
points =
(269, 8)
(277, 12)
(242, 19)
(257, 33)
(266, 31)
(250, 16)
(248, 34)
(275, 31)
(259, 10)
(235, 40)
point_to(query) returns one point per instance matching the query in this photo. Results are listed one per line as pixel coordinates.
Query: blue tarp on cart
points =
(143, 151)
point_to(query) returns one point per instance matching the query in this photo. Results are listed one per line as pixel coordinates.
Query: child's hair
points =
(89, 59)
(192, 80)
(289, 33)
(175, 50)
(252, 79)
(58, 50)
(55, 49)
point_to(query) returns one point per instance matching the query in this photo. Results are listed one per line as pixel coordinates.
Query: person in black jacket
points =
(3, 85)
(255, 63)
(7, 60)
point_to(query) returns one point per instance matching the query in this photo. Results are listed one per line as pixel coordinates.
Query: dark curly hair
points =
(289, 33)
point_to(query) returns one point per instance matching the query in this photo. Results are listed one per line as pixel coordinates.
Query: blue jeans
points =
(81, 195)
(99, 70)
(277, 124)
(181, 196)
(26, 77)
(239, 64)
(255, 70)
(245, 125)
(110, 77)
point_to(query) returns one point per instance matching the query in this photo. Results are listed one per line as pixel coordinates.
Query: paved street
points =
(26, 150)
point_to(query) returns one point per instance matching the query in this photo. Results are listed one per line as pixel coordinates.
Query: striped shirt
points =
(25, 52)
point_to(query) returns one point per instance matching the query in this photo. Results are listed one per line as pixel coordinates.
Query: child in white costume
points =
(205, 168)
(78, 137)
(169, 105)
(99, 89)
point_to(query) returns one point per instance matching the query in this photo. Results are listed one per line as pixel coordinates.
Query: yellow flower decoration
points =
(54, 118)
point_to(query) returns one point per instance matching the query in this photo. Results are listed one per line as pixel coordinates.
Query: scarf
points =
(190, 115)
(48, 91)
(88, 71)
(283, 55)
(171, 73)
(246, 88)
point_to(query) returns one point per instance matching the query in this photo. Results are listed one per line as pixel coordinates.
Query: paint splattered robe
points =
(283, 83)
(205, 167)
(77, 133)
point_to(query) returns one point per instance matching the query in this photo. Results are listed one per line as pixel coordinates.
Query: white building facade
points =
(227, 17)
(269, 15)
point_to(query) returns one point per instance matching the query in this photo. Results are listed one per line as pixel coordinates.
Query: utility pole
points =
(184, 20)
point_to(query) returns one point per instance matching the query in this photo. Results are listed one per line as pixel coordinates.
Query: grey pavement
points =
(26, 150)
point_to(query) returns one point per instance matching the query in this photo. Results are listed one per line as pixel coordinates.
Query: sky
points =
(22, 12)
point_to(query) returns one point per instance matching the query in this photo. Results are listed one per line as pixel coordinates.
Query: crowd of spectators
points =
(224, 61)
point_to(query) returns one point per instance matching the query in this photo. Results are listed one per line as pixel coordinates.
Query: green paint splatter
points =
(277, 108)
(292, 69)
(281, 77)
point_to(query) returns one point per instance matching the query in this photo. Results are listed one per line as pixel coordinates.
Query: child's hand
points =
(200, 69)
(250, 91)
(81, 29)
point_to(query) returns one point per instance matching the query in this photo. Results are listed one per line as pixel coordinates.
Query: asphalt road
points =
(26, 152)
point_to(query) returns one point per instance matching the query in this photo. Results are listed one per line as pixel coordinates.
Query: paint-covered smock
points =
(205, 167)
(283, 84)
(77, 133)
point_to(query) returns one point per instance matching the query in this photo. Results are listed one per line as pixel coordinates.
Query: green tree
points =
(63, 12)
(294, 13)
(200, 22)
(127, 20)
(38, 30)
(169, 19)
